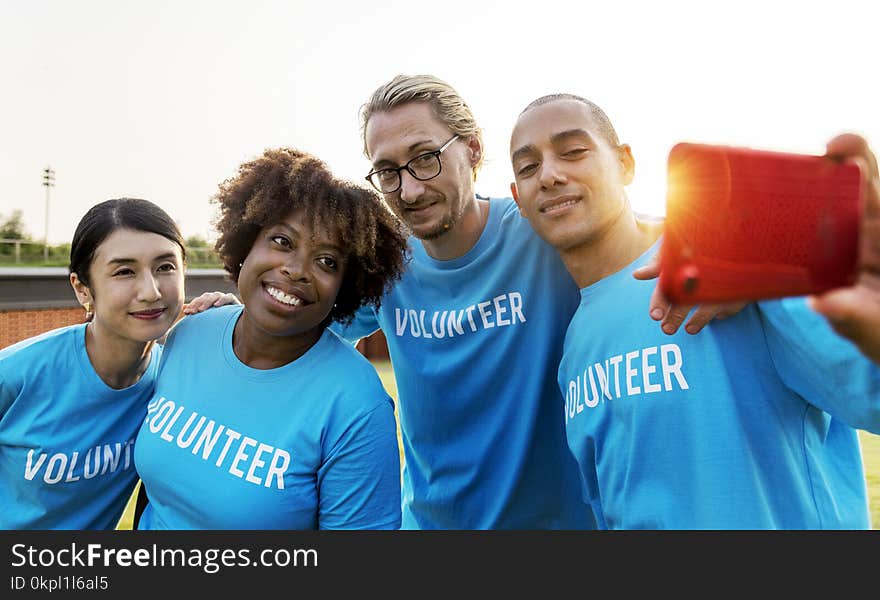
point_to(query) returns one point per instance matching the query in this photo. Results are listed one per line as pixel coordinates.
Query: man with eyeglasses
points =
(423, 167)
(474, 328)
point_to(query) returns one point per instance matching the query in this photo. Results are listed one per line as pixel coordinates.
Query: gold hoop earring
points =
(88, 307)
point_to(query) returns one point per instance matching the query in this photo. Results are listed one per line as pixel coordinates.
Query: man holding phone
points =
(749, 425)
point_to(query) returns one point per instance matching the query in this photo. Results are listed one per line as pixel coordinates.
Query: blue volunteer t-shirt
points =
(746, 425)
(66, 437)
(309, 445)
(475, 343)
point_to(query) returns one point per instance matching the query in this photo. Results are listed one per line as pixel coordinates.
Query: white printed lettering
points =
(61, 461)
(158, 421)
(672, 368)
(72, 465)
(186, 442)
(231, 435)
(400, 324)
(208, 440)
(277, 468)
(438, 333)
(594, 382)
(500, 309)
(631, 390)
(414, 324)
(241, 455)
(256, 463)
(165, 435)
(647, 369)
(516, 304)
(30, 469)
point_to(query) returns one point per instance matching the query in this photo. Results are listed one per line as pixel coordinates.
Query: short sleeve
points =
(359, 482)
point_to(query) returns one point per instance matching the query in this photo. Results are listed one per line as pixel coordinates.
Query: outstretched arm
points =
(854, 312)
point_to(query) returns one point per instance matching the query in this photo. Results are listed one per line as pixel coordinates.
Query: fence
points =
(23, 252)
(29, 252)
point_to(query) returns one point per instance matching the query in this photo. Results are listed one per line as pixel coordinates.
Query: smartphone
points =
(746, 224)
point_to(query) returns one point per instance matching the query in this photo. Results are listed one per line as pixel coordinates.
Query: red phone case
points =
(744, 224)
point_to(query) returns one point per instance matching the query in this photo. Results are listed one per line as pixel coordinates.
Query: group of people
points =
(535, 387)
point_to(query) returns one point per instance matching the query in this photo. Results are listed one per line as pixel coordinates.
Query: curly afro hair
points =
(282, 180)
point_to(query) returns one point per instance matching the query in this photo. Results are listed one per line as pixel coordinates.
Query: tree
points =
(12, 227)
(196, 241)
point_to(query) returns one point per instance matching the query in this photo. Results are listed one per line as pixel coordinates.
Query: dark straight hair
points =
(106, 217)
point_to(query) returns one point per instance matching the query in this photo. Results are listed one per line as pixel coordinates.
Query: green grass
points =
(870, 452)
(871, 456)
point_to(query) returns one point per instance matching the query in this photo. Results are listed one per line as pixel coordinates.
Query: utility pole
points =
(48, 182)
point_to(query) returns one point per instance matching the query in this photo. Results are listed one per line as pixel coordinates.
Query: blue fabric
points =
(475, 343)
(309, 445)
(66, 438)
(746, 425)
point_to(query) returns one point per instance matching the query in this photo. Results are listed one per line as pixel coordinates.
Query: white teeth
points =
(282, 297)
(560, 205)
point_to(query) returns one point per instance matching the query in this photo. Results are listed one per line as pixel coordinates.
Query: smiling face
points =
(291, 277)
(136, 285)
(569, 179)
(429, 208)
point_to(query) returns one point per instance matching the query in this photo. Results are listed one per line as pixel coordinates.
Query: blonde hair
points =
(446, 103)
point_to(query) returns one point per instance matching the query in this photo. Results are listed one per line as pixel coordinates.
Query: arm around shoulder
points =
(364, 323)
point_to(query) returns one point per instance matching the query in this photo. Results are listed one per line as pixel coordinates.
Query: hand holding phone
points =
(744, 224)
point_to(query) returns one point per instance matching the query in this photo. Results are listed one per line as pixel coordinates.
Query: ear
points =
(475, 150)
(515, 196)
(83, 293)
(627, 163)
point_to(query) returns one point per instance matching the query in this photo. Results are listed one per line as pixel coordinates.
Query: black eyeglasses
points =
(423, 167)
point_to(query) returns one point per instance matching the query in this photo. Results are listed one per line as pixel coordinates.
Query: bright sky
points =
(164, 99)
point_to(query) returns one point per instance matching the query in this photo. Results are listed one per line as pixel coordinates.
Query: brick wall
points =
(17, 325)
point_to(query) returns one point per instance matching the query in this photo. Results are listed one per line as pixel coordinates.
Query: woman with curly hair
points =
(262, 417)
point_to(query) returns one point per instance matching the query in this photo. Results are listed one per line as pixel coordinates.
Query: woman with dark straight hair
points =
(72, 399)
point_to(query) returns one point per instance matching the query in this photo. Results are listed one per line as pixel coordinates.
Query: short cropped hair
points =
(285, 179)
(603, 123)
(447, 104)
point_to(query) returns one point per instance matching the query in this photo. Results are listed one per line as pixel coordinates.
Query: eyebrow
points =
(568, 133)
(127, 261)
(554, 139)
(412, 147)
(521, 151)
(296, 234)
(332, 247)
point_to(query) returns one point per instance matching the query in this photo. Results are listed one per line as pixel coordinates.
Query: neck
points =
(611, 249)
(464, 234)
(119, 362)
(260, 350)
